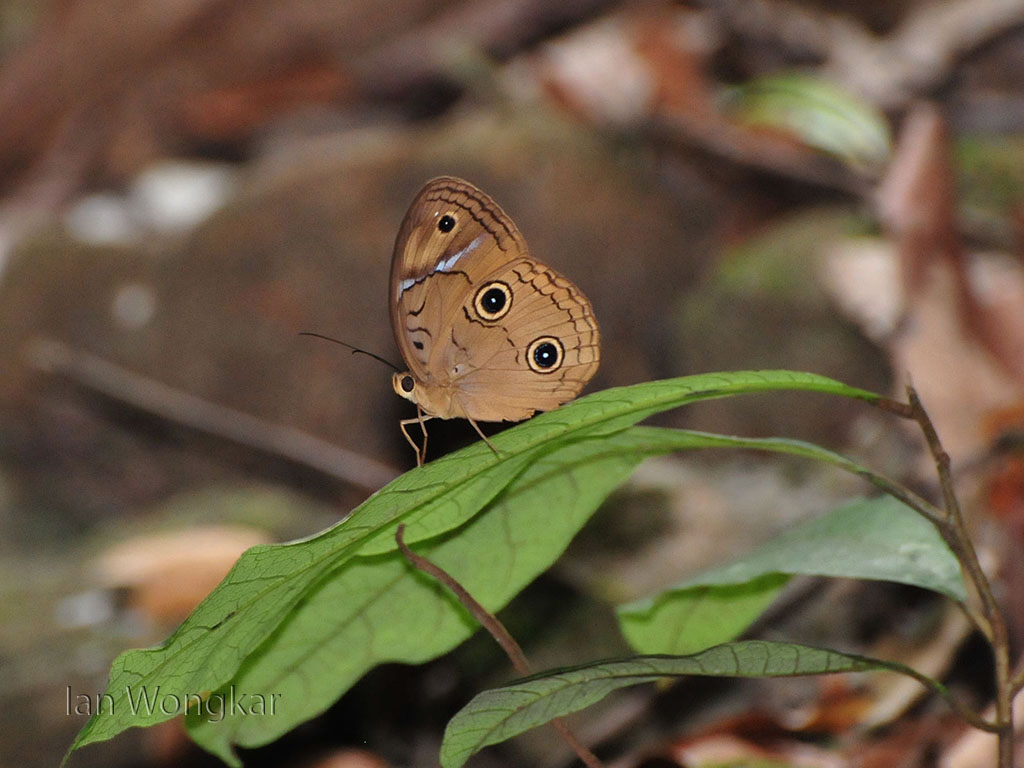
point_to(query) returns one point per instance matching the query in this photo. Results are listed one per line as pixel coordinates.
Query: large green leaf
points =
(276, 596)
(501, 713)
(379, 609)
(880, 539)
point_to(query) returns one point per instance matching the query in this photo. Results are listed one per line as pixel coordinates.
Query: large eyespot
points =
(493, 301)
(446, 223)
(545, 355)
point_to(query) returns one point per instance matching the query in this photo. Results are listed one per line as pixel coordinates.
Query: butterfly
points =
(488, 332)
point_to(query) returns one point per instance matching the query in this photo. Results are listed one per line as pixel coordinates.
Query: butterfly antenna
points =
(355, 350)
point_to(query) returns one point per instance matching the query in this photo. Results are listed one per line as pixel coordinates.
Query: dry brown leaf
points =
(952, 322)
(350, 758)
(959, 381)
(167, 574)
(965, 386)
(839, 706)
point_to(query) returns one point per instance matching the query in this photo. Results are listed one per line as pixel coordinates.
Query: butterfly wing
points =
(488, 333)
(434, 267)
(535, 358)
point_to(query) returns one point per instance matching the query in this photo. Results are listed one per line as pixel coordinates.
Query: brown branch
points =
(485, 618)
(937, 516)
(889, 405)
(182, 408)
(954, 531)
(952, 528)
(497, 630)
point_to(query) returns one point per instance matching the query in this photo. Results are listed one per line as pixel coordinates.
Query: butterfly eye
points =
(446, 223)
(544, 355)
(493, 301)
(407, 384)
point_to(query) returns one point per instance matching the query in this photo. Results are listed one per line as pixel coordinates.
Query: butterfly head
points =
(436, 401)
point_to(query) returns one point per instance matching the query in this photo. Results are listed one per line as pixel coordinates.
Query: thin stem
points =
(954, 531)
(497, 630)
(941, 518)
(968, 714)
(485, 618)
(922, 506)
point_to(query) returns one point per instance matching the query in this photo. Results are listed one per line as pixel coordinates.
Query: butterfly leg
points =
(421, 451)
(484, 438)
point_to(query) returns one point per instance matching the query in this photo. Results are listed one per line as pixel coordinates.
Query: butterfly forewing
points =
(432, 270)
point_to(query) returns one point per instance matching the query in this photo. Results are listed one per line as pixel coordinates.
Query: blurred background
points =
(185, 186)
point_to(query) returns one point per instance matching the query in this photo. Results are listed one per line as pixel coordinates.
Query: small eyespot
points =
(418, 344)
(446, 223)
(493, 301)
(545, 355)
(407, 383)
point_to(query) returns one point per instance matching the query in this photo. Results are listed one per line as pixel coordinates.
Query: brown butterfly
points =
(488, 332)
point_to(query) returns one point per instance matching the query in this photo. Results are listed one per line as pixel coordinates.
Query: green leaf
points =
(880, 539)
(388, 612)
(501, 713)
(379, 609)
(820, 114)
(276, 596)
